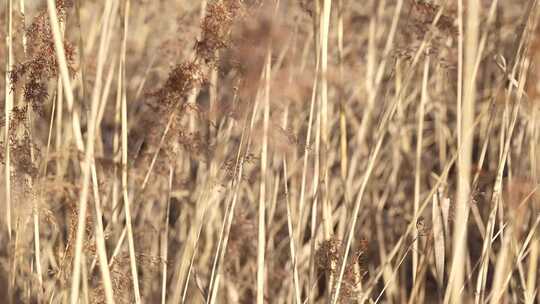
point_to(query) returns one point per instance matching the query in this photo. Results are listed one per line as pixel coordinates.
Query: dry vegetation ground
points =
(266, 151)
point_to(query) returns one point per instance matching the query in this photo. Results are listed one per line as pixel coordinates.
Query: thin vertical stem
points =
(100, 243)
(323, 111)
(127, 202)
(165, 239)
(470, 47)
(261, 243)
(419, 144)
(7, 111)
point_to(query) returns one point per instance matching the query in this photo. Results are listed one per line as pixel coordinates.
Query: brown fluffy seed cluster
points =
(23, 150)
(33, 74)
(182, 79)
(216, 27)
(329, 258)
(187, 76)
(441, 37)
(426, 12)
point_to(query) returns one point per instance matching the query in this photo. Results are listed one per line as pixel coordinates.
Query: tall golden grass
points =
(257, 151)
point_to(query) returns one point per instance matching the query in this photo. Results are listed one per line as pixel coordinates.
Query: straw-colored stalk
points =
(465, 144)
(7, 112)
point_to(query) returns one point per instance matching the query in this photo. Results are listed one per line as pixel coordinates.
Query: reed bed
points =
(258, 151)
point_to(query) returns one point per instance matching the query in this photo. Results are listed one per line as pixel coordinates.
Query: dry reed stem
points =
(8, 105)
(165, 237)
(261, 240)
(100, 243)
(418, 168)
(124, 149)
